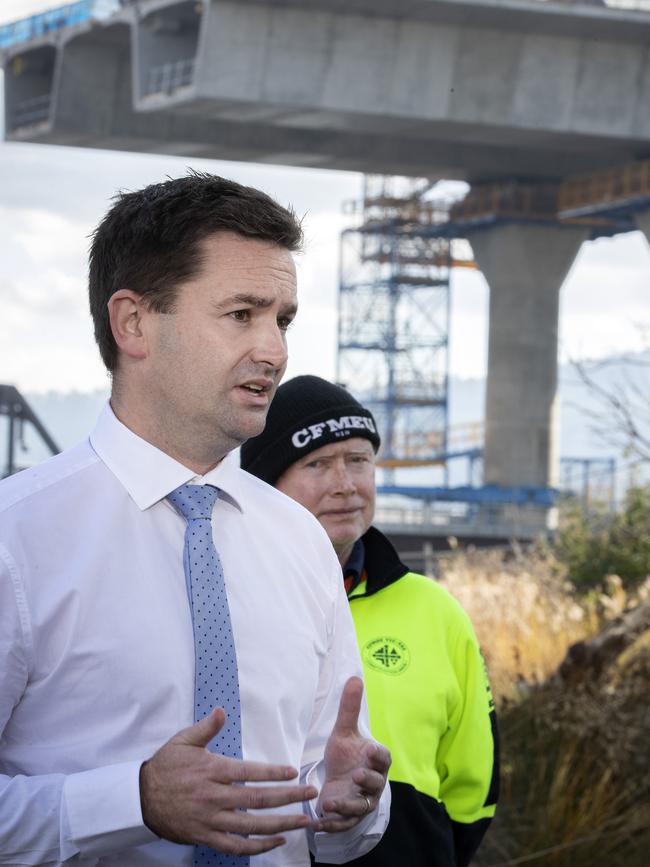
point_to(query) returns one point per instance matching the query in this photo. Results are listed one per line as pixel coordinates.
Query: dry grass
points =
(575, 754)
(524, 612)
(576, 776)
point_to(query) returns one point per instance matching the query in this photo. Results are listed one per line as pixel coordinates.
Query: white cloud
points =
(605, 298)
(51, 198)
(468, 330)
(13, 10)
(59, 237)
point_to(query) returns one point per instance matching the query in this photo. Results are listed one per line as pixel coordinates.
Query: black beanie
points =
(306, 413)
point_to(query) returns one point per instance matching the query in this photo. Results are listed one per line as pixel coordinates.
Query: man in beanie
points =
(428, 694)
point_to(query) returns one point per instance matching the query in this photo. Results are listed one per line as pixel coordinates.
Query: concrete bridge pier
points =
(525, 266)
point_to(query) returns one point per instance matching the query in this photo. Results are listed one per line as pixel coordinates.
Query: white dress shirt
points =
(97, 650)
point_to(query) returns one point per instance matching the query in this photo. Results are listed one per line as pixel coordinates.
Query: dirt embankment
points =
(572, 680)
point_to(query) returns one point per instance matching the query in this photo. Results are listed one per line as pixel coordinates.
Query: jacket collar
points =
(382, 563)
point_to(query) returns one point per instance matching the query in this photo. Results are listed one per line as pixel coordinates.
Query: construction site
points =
(540, 111)
(538, 107)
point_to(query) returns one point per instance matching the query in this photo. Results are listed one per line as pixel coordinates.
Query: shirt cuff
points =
(102, 811)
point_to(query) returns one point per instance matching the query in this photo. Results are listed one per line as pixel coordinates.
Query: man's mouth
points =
(256, 389)
(340, 512)
(257, 386)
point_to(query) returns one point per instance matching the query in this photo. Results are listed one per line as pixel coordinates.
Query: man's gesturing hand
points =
(355, 767)
(189, 795)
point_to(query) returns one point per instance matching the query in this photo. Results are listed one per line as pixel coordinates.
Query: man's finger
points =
(263, 797)
(369, 782)
(227, 770)
(333, 826)
(349, 708)
(202, 732)
(379, 758)
(345, 808)
(238, 822)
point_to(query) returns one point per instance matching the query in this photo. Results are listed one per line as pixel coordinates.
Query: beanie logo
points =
(340, 427)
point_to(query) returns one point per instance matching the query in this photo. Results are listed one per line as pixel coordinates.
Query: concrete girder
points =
(551, 19)
(441, 88)
(92, 61)
(525, 266)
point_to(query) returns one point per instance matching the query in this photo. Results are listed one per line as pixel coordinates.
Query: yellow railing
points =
(606, 188)
(509, 200)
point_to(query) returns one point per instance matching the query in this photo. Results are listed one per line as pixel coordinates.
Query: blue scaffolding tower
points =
(393, 319)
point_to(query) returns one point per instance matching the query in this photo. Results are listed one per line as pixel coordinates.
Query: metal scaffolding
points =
(394, 305)
(393, 323)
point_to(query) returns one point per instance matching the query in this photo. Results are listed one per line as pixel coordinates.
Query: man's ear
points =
(126, 312)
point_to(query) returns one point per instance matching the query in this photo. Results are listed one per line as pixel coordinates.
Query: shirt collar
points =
(355, 562)
(149, 474)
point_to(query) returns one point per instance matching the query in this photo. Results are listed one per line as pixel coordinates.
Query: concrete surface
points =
(451, 89)
(525, 266)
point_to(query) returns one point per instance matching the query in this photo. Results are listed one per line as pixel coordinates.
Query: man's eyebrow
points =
(290, 309)
(242, 298)
(257, 301)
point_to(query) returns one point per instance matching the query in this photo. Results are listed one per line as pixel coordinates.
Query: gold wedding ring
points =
(367, 800)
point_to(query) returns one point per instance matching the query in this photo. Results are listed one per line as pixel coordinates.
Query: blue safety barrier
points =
(46, 22)
(487, 494)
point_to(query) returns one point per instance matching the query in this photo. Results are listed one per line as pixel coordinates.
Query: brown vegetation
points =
(524, 611)
(571, 676)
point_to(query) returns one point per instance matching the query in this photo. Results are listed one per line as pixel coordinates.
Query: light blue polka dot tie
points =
(216, 679)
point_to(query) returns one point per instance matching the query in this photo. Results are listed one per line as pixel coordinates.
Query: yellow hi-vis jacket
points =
(430, 703)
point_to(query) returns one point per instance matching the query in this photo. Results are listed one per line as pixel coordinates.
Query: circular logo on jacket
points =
(389, 655)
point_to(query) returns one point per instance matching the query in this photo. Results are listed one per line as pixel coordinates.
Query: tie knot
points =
(194, 501)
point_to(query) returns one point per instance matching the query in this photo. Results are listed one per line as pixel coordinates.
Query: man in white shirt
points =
(192, 289)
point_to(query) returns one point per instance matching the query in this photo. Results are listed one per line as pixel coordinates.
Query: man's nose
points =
(271, 347)
(343, 480)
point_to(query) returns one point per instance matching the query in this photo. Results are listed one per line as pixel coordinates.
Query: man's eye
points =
(241, 315)
(284, 322)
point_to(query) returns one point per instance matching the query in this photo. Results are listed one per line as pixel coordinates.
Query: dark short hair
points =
(149, 241)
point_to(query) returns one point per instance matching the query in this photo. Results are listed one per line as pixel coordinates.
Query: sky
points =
(51, 198)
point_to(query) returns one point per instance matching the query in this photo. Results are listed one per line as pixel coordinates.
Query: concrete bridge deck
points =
(441, 88)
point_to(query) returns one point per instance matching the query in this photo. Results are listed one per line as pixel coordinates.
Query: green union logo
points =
(388, 655)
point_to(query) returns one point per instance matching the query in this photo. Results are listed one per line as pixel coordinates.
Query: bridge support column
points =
(525, 266)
